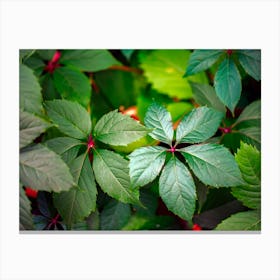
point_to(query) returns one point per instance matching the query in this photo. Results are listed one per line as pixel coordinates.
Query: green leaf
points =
(117, 129)
(112, 174)
(70, 117)
(115, 215)
(25, 54)
(177, 189)
(46, 54)
(249, 161)
(252, 135)
(199, 125)
(159, 119)
(179, 109)
(201, 60)
(42, 169)
(30, 91)
(227, 83)
(250, 220)
(165, 70)
(72, 85)
(250, 60)
(49, 90)
(31, 127)
(205, 95)
(145, 164)
(88, 60)
(25, 216)
(213, 164)
(80, 201)
(251, 113)
(66, 147)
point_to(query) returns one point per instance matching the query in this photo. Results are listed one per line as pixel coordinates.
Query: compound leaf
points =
(177, 189)
(213, 164)
(25, 216)
(199, 125)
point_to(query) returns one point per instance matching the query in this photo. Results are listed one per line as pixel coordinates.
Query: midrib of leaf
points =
(178, 69)
(201, 61)
(72, 146)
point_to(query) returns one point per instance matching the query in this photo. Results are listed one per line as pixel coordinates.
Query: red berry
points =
(31, 193)
(196, 227)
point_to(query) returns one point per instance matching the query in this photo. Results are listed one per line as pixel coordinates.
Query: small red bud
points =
(90, 143)
(196, 227)
(31, 193)
(229, 52)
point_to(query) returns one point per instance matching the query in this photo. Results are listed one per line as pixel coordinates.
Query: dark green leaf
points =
(70, 117)
(205, 95)
(24, 54)
(249, 162)
(43, 169)
(114, 215)
(25, 216)
(159, 119)
(177, 189)
(49, 90)
(30, 91)
(252, 135)
(80, 201)
(251, 112)
(93, 220)
(145, 164)
(31, 127)
(250, 220)
(72, 85)
(251, 62)
(149, 200)
(199, 125)
(118, 129)
(213, 164)
(88, 60)
(201, 60)
(112, 174)
(228, 83)
(46, 54)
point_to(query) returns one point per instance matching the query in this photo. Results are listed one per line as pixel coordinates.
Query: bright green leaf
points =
(31, 127)
(228, 83)
(80, 201)
(159, 119)
(179, 109)
(44, 170)
(213, 164)
(118, 129)
(70, 117)
(251, 112)
(112, 174)
(177, 189)
(199, 125)
(72, 85)
(25, 216)
(145, 164)
(201, 60)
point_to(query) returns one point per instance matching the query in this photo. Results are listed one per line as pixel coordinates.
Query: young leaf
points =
(199, 125)
(88, 60)
(117, 129)
(112, 174)
(30, 91)
(251, 62)
(145, 164)
(249, 162)
(115, 215)
(42, 169)
(30, 128)
(201, 60)
(213, 164)
(25, 216)
(70, 117)
(159, 119)
(250, 220)
(177, 189)
(227, 83)
(80, 201)
(72, 85)
(205, 95)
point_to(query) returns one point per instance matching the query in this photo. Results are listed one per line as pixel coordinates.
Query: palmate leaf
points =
(145, 164)
(249, 162)
(201, 60)
(251, 113)
(159, 119)
(177, 189)
(213, 164)
(227, 83)
(80, 201)
(42, 169)
(70, 117)
(117, 129)
(25, 216)
(31, 127)
(112, 174)
(88, 60)
(250, 220)
(199, 125)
